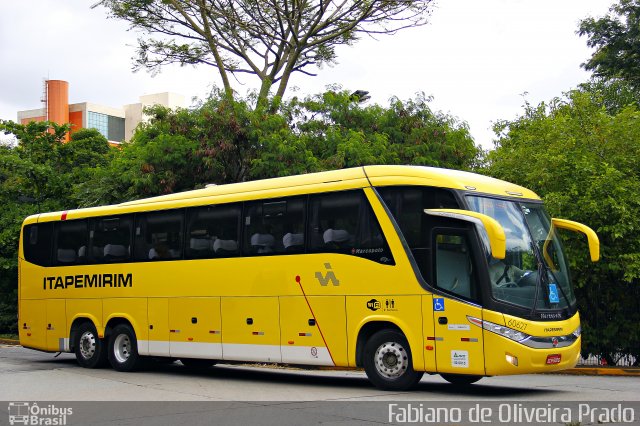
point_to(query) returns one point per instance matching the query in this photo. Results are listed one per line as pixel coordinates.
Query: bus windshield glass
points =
(534, 273)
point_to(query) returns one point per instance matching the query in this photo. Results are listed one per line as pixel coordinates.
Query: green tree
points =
(344, 133)
(585, 163)
(616, 39)
(37, 175)
(267, 39)
(224, 141)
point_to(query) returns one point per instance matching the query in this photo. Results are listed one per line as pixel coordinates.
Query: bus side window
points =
(158, 235)
(212, 231)
(343, 222)
(37, 243)
(274, 226)
(71, 242)
(454, 265)
(110, 239)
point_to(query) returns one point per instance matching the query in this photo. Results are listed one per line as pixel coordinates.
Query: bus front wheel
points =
(123, 349)
(89, 348)
(388, 362)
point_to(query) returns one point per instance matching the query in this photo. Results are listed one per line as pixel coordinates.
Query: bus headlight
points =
(509, 333)
(578, 331)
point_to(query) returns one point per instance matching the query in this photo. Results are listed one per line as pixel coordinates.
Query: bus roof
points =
(312, 182)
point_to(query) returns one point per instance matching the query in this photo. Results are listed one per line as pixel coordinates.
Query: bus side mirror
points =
(592, 237)
(497, 239)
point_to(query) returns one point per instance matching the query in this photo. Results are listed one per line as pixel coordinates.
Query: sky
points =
(479, 60)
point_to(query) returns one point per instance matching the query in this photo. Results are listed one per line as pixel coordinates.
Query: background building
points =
(115, 124)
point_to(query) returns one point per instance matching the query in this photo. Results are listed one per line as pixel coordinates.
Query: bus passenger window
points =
(212, 231)
(37, 243)
(274, 226)
(454, 267)
(71, 242)
(158, 235)
(343, 222)
(110, 239)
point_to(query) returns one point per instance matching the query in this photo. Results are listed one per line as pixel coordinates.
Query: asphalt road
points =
(29, 375)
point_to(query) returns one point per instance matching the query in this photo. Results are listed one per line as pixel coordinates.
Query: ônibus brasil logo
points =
(27, 413)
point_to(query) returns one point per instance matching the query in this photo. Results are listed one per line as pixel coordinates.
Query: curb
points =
(9, 341)
(602, 371)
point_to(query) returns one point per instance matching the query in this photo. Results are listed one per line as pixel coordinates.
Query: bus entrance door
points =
(458, 343)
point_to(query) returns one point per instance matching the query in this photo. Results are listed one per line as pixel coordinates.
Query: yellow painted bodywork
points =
(223, 304)
(497, 238)
(592, 237)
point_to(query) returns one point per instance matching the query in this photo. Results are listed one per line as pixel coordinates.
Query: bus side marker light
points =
(29, 334)
(512, 359)
(304, 334)
(258, 333)
(290, 342)
(554, 359)
(190, 339)
(429, 347)
(214, 332)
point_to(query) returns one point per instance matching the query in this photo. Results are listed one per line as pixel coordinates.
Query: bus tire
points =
(388, 362)
(90, 350)
(123, 349)
(460, 379)
(197, 364)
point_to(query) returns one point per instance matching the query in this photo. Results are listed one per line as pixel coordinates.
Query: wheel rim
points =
(391, 360)
(87, 345)
(122, 348)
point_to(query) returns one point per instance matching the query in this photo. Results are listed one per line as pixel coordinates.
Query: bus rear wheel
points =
(90, 350)
(460, 379)
(123, 349)
(388, 362)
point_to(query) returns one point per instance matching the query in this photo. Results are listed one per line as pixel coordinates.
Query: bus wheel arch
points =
(89, 348)
(385, 354)
(366, 331)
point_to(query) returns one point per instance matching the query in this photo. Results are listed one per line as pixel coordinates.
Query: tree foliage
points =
(224, 141)
(616, 39)
(585, 162)
(37, 175)
(267, 39)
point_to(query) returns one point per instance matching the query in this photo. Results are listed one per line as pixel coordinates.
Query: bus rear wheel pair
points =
(120, 349)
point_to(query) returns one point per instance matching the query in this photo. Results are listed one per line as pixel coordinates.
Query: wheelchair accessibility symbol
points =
(438, 304)
(553, 294)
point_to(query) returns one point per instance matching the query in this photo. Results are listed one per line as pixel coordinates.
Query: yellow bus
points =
(400, 270)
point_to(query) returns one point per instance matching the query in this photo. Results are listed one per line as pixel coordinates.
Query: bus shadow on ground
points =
(301, 376)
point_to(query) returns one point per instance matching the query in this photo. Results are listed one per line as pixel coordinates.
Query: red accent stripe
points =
(299, 281)
(64, 215)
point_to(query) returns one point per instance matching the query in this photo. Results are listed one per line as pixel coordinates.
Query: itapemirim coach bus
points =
(398, 269)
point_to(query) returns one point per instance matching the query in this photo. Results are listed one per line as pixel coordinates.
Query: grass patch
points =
(9, 336)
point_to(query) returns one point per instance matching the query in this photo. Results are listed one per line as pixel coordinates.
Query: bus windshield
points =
(534, 273)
